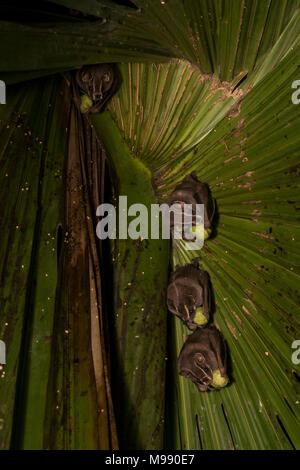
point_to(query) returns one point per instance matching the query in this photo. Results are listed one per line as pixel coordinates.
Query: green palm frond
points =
(227, 38)
(52, 395)
(250, 172)
(32, 152)
(140, 276)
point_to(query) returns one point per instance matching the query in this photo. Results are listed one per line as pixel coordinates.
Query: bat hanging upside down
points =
(192, 191)
(189, 296)
(98, 83)
(203, 359)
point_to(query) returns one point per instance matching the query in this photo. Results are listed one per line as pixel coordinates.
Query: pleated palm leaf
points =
(206, 87)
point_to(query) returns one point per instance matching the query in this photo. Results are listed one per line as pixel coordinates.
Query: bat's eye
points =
(86, 77)
(106, 77)
(199, 359)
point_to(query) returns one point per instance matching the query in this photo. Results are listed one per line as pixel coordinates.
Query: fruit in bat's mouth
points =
(85, 103)
(219, 381)
(200, 318)
(197, 230)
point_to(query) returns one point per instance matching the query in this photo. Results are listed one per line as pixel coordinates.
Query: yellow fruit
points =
(85, 103)
(207, 232)
(198, 230)
(200, 318)
(218, 381)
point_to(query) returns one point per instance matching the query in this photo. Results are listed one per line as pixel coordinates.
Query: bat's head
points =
(188, 296)
(98, 83)
(191, 191)
(203, 359)
(185, 302)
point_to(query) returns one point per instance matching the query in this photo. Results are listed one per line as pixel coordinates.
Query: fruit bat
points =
(203, 359)
(192, 191)
(98, 83)
(189, 296)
